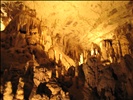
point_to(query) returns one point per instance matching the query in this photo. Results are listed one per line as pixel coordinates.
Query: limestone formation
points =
(67, 50)
(8, 91)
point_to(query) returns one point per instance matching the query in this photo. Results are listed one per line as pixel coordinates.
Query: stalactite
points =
(127, 49)
(60, 57)
(108, 48)
(81, 59)
(41, 40)
(84, 56)
(55, 55)
(120, 48)
(117, 51)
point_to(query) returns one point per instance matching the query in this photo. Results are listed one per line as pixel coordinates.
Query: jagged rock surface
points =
(109, 80)
(26, 36)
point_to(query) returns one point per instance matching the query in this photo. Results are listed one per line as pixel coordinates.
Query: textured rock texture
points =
(67, 50)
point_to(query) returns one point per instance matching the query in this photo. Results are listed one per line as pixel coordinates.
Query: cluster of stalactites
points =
(24, 22)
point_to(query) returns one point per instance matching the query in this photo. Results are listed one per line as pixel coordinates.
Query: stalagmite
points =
(8, 91)
(76, 71)
(57, 75)
(20, 92)
(33, 57)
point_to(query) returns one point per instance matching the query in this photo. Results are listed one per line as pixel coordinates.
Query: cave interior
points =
(66, 50)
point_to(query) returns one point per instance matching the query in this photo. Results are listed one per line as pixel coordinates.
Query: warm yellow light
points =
(2, 26)
(92, 52)
(81, 59)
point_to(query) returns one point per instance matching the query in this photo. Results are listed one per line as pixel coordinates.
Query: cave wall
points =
(107, 67)
(20, 40)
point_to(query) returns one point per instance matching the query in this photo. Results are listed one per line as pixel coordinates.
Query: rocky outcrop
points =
(110, 81)
(22, 45)
(26, 35)
(49, 75)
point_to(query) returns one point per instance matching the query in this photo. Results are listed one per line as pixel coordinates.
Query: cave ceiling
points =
(83, 22)
(60, 53)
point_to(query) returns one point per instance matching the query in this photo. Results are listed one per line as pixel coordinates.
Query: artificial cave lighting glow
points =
(2, 26)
